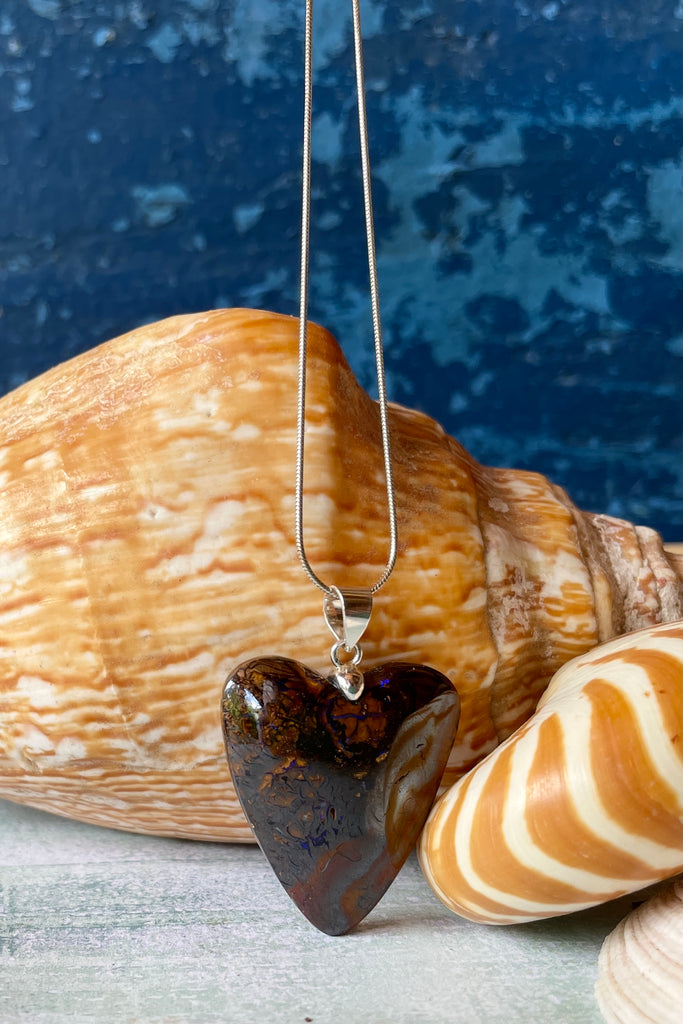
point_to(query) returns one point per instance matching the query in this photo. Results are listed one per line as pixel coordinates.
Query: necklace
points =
(336, 775)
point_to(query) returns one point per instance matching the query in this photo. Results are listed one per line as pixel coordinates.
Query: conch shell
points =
(583, 804)
(640, 967)
(147, 547)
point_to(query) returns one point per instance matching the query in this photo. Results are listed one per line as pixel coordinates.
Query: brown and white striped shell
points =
(147, 547)
(583, 803)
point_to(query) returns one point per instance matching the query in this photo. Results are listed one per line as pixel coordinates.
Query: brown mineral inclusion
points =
(337, 791)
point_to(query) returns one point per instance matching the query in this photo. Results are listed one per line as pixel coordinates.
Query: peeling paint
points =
(160, 204)
(248, 35)
(164, 43)
(46, 8)
(664, 202)
(247, 215)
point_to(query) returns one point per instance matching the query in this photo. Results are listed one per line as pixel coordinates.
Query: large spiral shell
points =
(147, 547)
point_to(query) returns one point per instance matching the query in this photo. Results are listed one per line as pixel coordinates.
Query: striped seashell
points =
(147, 547)
(583, 804)
(640, 967)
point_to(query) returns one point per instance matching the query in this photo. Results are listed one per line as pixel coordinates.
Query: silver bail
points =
(347, 613)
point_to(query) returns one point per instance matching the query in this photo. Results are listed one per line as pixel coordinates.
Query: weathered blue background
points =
(526, 172)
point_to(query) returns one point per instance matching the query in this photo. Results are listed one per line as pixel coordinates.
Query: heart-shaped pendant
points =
(337, 790)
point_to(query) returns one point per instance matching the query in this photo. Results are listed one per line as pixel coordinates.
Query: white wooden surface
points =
(97, 925)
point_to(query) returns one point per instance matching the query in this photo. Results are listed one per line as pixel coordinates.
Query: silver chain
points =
(374, 299)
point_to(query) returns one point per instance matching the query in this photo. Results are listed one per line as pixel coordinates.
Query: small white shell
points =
(640, 979)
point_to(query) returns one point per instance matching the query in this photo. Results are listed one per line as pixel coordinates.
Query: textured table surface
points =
(97, 925)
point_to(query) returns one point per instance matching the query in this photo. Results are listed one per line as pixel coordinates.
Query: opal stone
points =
(337, 791)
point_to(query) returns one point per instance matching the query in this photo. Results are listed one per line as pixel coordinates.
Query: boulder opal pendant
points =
(337, 788)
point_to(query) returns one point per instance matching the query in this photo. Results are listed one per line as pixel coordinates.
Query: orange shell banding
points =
(582, 804)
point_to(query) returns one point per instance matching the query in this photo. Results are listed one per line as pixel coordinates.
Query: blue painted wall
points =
(526, 159)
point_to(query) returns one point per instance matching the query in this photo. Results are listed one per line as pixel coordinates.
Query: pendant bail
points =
(347, 613)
